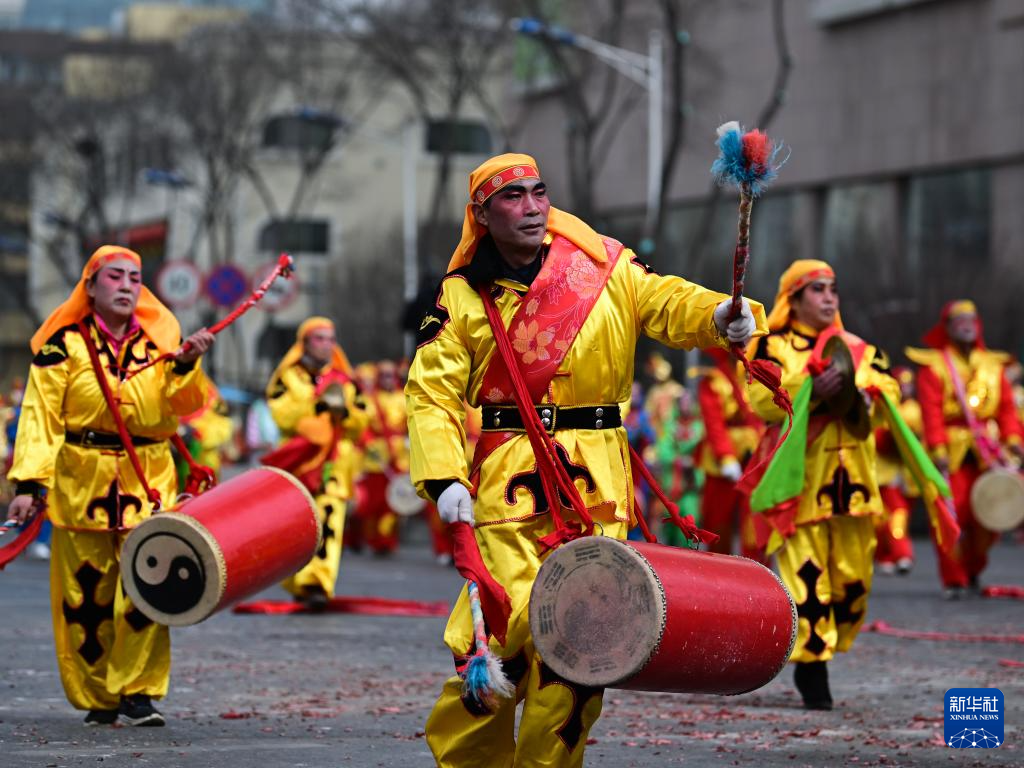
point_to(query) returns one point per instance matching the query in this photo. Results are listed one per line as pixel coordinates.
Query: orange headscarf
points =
(499, 172)
(156, 320)
(800, 274)
(339, 362)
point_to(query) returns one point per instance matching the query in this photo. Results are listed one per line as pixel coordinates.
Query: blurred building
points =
(328, 185)
(906, 124)
(73, 16)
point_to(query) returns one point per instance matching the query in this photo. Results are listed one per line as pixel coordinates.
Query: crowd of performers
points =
(110, 363)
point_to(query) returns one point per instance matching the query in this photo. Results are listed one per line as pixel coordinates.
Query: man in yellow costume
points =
(384, 455)
(828, 524)
(575, 303)
(965, 398)
(70, 460)
(311, 389)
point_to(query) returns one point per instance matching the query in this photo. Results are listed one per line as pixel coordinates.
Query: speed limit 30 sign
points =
(178, 284)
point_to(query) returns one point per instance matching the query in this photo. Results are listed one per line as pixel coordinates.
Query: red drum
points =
(229, 543)
(646, 617)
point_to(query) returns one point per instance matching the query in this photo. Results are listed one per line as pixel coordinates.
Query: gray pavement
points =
(339, 690)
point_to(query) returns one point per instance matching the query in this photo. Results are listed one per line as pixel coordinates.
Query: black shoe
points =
(137, 709)
(953, 593)
(315, 599)
(904, 566)
(101, 717)
(811, 680)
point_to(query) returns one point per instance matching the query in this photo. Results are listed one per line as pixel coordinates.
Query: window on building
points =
(296, 236)
(304, 131)
(465, 136)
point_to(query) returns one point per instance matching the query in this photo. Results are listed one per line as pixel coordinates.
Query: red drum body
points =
(646, 617)
(240, 537)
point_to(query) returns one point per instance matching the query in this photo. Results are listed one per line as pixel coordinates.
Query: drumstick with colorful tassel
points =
(485, 681)
(750, 161)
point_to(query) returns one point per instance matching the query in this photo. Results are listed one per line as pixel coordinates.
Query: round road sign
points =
(281, 293)
(226, 285)
(178, 284)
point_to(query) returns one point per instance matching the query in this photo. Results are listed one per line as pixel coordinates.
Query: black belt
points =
(92, 439)
(506, 418)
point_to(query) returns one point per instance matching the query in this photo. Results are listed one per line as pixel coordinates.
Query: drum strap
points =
(989, 452)
(122, 430)
(199, 479)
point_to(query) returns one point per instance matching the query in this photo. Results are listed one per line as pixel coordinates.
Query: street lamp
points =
(643, 70)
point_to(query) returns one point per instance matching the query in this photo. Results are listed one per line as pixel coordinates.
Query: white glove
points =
(732, 471)
(455, 505)
(739, 330)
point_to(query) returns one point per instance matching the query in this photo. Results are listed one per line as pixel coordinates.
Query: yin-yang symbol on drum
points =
(168, 573)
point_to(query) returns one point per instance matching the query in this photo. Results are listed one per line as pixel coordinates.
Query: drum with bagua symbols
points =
(240, 537)
(612, 614)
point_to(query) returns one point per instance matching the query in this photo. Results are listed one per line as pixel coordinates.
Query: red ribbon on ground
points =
(884, 628)
(367, 606)
(1003, 590)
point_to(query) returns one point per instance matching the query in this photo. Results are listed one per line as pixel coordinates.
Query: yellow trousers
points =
(827, 567)
(557, 715)
(322, 570)
(105, 647)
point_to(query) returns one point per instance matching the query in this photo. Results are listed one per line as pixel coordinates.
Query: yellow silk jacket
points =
(456, 346)
(381, 454)
(292, 397)
(988, 395)
(292, 401)
(96, 488)
(840, 470)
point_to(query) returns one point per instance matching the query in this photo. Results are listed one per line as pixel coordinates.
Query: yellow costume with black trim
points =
(105, 647)
(827, 561)
(293, 401)
(455, 348)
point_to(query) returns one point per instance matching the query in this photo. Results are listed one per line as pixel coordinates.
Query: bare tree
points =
(442, 54)
(776, 98)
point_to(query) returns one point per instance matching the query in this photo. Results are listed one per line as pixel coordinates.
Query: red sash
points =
(545, 326)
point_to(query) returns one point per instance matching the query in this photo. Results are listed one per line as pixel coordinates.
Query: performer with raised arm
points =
(824, 522)
(314, 402)
(965, 399)
(70, 460)
(574, 303)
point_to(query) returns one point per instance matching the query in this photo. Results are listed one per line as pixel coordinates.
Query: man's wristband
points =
(30, 488)
(435, 488)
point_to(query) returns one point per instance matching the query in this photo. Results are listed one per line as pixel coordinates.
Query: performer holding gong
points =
(824, 522)
(71, 461)
(573, 303)
(964, 392)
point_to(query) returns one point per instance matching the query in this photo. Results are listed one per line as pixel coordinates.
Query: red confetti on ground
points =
(1010, 663)
(232, 715)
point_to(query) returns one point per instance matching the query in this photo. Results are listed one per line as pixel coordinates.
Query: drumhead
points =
(173, 569)
(597, 611)
(402, 497)
(997, 498)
